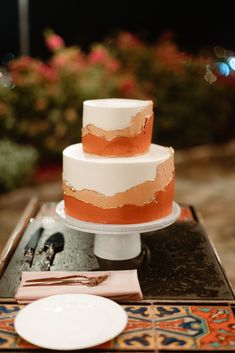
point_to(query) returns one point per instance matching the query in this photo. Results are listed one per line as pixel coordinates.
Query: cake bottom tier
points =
(126, 214)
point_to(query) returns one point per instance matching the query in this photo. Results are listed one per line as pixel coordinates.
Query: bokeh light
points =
(223, 69)
(5, 78)
(231, 62)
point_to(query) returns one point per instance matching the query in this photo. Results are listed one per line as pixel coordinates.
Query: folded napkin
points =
(119, 285)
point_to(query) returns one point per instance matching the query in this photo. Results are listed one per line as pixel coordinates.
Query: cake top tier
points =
(116, 103)
(117, 127)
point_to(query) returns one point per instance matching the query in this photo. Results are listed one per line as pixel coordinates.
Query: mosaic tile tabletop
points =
(151, 327)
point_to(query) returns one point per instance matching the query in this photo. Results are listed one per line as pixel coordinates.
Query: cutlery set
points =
(90, 281)
(52, 245)
(29, 249)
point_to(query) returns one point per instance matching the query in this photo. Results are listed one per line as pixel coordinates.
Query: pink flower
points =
(54, 42)
(24, 63)
(47, 72)
(98, 55)
(24, 70)
(69, 59)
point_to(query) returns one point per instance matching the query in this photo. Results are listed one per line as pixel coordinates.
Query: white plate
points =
(70, 321)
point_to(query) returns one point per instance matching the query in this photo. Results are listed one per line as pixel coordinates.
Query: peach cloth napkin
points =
(120, 286)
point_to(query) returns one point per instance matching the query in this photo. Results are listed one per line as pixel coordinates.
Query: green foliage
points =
(193, 103)
(191, 112)
(42, 104)
(16, 164)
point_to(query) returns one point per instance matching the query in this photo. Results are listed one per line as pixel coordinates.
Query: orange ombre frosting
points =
(160, 207)
(120, 145)
(118, 190)
(117, 127)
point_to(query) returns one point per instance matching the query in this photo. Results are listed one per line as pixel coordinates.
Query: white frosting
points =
(112, 114)
(110, 175)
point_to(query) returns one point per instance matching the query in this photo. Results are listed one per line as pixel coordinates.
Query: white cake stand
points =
(117, 241)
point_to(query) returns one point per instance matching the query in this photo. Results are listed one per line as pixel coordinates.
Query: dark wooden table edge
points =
(8, 250)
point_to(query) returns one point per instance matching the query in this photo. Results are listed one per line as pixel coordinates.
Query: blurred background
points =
(56, 54)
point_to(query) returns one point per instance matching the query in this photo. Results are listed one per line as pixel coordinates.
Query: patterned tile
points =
(139, 333)
(194, 327)
(151, 327)
(8, 337)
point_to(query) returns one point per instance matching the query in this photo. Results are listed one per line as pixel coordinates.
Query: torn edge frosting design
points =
(137, 124)
(139, 195)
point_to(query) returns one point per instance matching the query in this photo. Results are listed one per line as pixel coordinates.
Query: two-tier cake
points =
(116, 175)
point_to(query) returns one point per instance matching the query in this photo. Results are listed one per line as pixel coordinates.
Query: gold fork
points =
(90, 281)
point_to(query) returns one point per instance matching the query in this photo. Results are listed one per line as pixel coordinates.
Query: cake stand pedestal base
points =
(117, 246)
(117, 241)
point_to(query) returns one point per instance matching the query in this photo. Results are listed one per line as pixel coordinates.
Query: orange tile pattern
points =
(151, 328)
